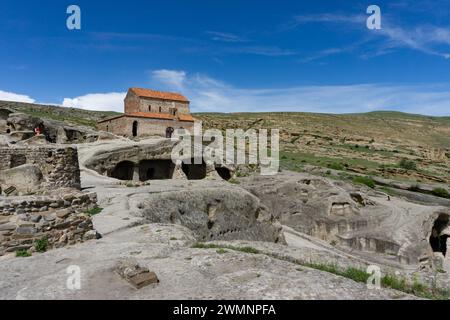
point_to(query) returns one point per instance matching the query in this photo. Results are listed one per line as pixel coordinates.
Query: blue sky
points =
(230, 56)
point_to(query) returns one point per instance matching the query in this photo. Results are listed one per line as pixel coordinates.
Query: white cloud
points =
(428, 39)
(330, 17)
(112, 101)
(170, 77)
(210, 95)
(10, 96)
(423, 39)
(224, 36)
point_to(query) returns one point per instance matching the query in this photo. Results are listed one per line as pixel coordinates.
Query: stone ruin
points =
(34, 169)
(19, 128)
(41, 198)
(140, 162)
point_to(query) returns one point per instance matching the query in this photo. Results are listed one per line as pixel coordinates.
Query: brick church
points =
(150, 113)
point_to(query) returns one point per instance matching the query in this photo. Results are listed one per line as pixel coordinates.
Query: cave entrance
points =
(73, 135)
(194, 170)
(438, 238)
(224, 173)
(156, 170)
(123, 171)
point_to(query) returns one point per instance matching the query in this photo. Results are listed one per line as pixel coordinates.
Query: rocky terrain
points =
(386, 144)
(309, 232)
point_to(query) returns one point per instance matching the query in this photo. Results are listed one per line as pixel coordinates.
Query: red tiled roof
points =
(148, 93)
(151, 115)
(186, 117)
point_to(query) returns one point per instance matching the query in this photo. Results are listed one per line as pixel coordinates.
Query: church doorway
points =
(169, 132)
(135, 129)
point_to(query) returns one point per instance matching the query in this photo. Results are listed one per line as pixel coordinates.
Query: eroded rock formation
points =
(150, 160)
(220, 212)
(351, 217)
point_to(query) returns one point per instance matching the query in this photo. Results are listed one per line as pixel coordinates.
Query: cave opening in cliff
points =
(439, 234)
(195, 170)
(123, 170)
(224, 173)
(156, 170)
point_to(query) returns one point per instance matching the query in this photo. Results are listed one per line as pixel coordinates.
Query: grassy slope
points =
(372, 143)
(394, 126)
(70, 115)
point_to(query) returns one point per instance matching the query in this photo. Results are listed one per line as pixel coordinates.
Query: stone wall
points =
(54, 166)
(146, 126)
(153, 105)
(134, 103)
(60, 219)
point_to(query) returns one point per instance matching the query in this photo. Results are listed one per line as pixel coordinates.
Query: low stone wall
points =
(56, 167)
(146, 127)
(61, 219)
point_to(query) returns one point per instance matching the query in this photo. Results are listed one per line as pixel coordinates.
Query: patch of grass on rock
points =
(94, 211)
(215, 246)
(441, 192)
(23, 253)
(368, 181)
(234, 181)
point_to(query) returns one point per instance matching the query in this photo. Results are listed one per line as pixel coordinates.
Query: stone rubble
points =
(136, 275)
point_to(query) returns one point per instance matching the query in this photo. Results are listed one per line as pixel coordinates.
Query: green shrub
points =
(23, 253)
(365, 180)
(394, 283)
(248, 250)
(441, 192)
(200, 245)
(221, 251)
(41, 245)
(336, 166)
(407, 164)
(355, 274)
(94, 211)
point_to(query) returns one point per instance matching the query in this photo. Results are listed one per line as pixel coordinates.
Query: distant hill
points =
(371, 143)
(390, 125)
(375, 143)
(379, 125)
